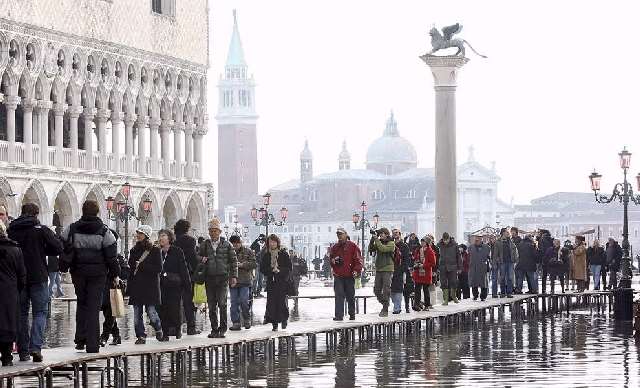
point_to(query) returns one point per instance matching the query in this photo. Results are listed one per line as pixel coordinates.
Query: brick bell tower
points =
(237, 139)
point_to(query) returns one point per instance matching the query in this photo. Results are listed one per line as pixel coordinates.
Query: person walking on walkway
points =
(13, 279)
(528, 264)
(463, 292)
(298, 265)
(346, 262)
(174, 283)
(557, 263)
(93, 249)
(506, 256)
(596, 257)
(544, 243)
(55, 286)
(450, 267)
(143, 287)
(188, 246)
(401, 282)
(110, 324)
(580, 274)
(221, 273)
(383, 247)
(258, 280)
(614, 257)
(36, 242)
(424, 261)
(275, 265)
(479, 267)
(241, 293)
(496, 271)
(519, 274)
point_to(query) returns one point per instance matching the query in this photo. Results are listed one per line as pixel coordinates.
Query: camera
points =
(338, 260)
(374, 232)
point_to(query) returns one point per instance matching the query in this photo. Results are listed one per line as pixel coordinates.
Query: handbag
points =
(117, 303)
(171, 280)
(291, 288)
(199, 294)
(68, 255)
(200, 274)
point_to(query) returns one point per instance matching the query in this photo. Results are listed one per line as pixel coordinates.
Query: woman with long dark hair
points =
(175, 281)
(275, 264)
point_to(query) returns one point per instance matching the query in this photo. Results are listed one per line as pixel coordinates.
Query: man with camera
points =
(256, 247)
(383, 246)
(346, 261)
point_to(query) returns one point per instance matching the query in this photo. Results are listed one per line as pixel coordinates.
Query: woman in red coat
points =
(424, 260)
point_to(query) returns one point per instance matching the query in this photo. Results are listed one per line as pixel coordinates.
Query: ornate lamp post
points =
(622, 192)
(237, 230)
(361, 223)
(124, 212)
(262, 217)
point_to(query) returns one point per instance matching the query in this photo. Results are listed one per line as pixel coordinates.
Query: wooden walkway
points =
(76, 363)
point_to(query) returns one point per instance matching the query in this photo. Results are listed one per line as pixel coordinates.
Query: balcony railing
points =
(67, 161)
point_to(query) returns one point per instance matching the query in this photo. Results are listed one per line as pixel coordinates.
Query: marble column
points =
(165, 128)
(154, 123)
(116, 119)
(129, 120)
(11, 103)
(178, 129)
(197, 149)
(43, 119)
(74, 114)
(142, 144)
(58, 111)
(102, 117)
(89, 114)
(445, 71)
(27, 109)
(188, 150)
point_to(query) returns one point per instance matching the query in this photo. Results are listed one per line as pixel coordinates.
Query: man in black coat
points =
(614, 257)
(93, 249)
(188, 246)
(545, 241)
(37, 242)
(528, 264)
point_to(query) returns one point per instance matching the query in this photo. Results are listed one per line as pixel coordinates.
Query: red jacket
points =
(352, 259)
(428, 264)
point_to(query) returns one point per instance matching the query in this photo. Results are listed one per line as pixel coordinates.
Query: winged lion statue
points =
(444, 40)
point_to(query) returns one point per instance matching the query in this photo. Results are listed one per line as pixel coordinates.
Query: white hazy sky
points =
(558, 95)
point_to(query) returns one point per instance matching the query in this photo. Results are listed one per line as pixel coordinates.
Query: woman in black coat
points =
(175, 281)
(143, 286)
(276, 266)
(12, 280)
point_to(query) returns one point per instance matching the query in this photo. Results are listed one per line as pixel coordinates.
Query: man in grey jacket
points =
(506, 256)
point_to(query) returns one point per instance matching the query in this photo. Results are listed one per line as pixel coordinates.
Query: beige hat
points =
(215, 224)
(145, 229)
(340, 229)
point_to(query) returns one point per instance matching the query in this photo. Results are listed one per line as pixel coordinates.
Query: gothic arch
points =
(95, 193)
(6, 197)
(171, 209)
(196, 213)
(34, 192)
(154, 218)
(65, 203)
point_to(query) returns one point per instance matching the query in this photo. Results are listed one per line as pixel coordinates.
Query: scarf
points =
(274, 260)
(421, 269)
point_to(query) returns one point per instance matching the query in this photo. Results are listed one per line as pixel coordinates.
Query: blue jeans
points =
(35, 296)
(495, 279)
(396, 298)
(138, 322)
(240, 302)
(506, 285)
(257, 282)
(595, 270)
(54, 284)
(532, 281)
(520, 275)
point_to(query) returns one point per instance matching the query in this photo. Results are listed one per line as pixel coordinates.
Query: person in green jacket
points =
(383, 246)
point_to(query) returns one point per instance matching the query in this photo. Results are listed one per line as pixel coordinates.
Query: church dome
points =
(391, 150)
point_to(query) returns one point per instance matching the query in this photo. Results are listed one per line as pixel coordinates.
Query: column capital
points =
(189, 128)
(12, 102)
(29, 105)
(44, 105)
(444, 68)
(165, 125)
(179, 126)
(58, 109)
(103, 115)
(130, 118)
(89, 113)
(116, 116)
(75, 111)
(154, 122)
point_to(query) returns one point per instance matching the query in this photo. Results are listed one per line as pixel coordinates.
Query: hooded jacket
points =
(95, 248)
(450, 259)
(37, 242)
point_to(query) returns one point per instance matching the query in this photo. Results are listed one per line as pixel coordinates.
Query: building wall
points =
(183, 36)
(238, 161)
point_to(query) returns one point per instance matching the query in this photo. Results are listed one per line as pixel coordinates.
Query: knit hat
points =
(215, 224)
(145, 229)
(341, 230)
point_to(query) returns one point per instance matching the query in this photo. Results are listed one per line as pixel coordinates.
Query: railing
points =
(19, 152)
(110, 162)
(96, 161)
(52, 156)
(123, 163)
(147, 167)
(196, 170)
(173, 170)
(35, 154)
(67, 158)
(82, 159)
(4, 151)
(135, 165)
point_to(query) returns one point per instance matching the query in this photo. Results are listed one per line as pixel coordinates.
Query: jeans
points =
(495, 279)
(54, 284)
(520, 275)
(138, 322)
(89, 293)
(506, 285)
(257, 282)
(595, 270)
(483, 293)
(396, 298)
(35, 296)
(532, 281)
(240, 302)
(344, 289)
(382, 288)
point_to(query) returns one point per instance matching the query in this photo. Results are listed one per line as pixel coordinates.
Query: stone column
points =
(154, 123)
(142, 144)
(74, 114)
(116, 119)
(445, 71)
(89, 114)
(11, 103)
(165, 127)
(43, 113)
(102, 116)
(129, 120)
(27, 109)
(178, 129)
(58, 111)
(188, 149)
(197, 141)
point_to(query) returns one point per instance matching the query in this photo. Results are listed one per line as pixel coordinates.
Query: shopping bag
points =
(358, 282)
(199, 294)
(117, 303)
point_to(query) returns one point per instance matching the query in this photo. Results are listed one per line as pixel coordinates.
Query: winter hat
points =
(215, 224)
(145, 229)
(341, 230)
(384, 230)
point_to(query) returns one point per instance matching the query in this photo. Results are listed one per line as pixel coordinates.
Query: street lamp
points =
(361, 223)
(237, 230)
(124, 212)
(262, 217)
(622, 192)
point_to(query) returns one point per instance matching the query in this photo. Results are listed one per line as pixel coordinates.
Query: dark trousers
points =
(89, 293)
(344, 289)
(552, 280)
(424, 288)
(5, 350)
(217, 290)
(613, 279)
(545, 274)
(484, 291)
(110, 325)
(603, 275)
(189, 309)
(463, 286)
(449, 279)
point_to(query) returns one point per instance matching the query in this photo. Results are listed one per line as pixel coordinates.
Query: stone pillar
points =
(11, 103)
(129, 120)
(102, 116)
(27, 109)
(74, 114)
(178, 129)
(116, 119)
(445, 71)
(43, 119)
(197, 141)
(188, 150)
(165, 127)
(89, 114)
(58, 111)
(154, 123)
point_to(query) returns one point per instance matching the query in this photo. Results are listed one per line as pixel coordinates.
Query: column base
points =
(623, 304)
